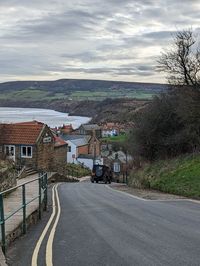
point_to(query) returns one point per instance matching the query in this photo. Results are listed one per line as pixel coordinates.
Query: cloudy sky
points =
(95, 39)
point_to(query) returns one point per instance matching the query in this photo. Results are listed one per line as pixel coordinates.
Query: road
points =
(101, 226)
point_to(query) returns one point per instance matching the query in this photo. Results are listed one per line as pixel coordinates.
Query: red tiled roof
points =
(59, 141)
(20, 133)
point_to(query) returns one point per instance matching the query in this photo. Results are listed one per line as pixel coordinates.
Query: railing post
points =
(40, 198)
(3, 232)
(45, 191)
(24, 208)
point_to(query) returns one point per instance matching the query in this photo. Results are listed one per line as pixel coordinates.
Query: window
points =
(69, 149)
(116, 167)
(26, 151)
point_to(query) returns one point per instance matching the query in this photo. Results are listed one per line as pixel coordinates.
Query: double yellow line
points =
(49, 246)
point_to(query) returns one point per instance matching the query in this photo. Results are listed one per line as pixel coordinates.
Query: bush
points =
(169, 126)
(77, 170)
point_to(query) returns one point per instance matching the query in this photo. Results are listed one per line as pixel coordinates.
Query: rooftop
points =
(20, 133)
(59, 141)
(91, 126)
(74, 137)
(80, 142)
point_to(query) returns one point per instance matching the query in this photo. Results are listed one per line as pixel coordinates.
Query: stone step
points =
(28, 172)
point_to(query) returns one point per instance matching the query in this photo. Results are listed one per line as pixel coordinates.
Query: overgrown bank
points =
(179, 176)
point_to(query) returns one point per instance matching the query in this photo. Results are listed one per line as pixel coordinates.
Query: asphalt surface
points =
(101, 226)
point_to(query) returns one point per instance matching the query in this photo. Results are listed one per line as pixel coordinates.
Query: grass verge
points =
(179, 176)
(77, 170)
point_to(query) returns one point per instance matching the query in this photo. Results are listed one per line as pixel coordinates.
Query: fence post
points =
(40, 197)
(24, 208)
(3, 233)
(45, 191)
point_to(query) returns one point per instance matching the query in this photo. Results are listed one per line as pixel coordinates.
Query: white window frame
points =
(26, 156)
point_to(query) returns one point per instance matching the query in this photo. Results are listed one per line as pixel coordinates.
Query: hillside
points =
(68, 85)
(102, 100)
(76, 90)
(179, 176)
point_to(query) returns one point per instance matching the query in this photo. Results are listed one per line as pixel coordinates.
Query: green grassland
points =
(179, 176)
(38, 94)
(119, 138)
(101, 95)
(30, 94)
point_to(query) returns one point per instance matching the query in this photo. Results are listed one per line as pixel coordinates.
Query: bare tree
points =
(182, 61)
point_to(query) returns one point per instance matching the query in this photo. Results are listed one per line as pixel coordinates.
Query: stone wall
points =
(7, 176)
(60, 157)
(45, 156)
(45, 151)
(29, 162)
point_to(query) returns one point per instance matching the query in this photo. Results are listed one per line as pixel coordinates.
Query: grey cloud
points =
(122, 71)
(89, 36)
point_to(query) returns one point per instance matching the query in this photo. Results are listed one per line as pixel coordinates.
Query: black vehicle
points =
(101, 173)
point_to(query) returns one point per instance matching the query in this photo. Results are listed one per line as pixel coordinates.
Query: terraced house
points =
(31, 144)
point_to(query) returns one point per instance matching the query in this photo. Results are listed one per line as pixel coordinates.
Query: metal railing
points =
(42, 193)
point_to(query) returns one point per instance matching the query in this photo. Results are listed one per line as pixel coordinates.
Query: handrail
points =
(42, 182)
(14, 188)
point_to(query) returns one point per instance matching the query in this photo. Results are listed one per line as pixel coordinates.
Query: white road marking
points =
(49, 247)
(125, 193)
(37, 247)
(139, 198)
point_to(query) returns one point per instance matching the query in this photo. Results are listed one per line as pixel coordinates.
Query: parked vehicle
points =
(101, 173)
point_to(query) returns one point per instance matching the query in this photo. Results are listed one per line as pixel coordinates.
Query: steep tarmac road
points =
(100, 226)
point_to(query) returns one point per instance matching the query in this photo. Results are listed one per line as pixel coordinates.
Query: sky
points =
(90, 39)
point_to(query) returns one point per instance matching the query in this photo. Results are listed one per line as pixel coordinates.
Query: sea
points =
(50, 117)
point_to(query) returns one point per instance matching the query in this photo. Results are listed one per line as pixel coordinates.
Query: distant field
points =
(31, 95)
(120, 138)
(101, 95)
(37, 94)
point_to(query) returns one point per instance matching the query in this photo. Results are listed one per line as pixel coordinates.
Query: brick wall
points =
(83, 150)
(94, 146)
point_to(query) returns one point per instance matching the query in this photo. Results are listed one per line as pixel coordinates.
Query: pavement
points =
(101, 226)
(2, 258)
(13, 201)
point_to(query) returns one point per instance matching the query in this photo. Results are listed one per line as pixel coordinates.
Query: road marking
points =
(139, 198)
(49, 247)
(37, 247)
(125, 193)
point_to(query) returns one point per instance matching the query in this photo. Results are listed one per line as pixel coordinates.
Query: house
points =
(88, 129)
(60, 153)
(66, 129)
(110, 129)
(94, 145)
(77, 144)
(88, 160)
(82, 149)
(30, 144)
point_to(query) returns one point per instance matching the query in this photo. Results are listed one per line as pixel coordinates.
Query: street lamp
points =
(116, 167)
(126, 166)
(94, 151)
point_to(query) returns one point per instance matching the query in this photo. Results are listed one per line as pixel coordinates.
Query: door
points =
(10, 152)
